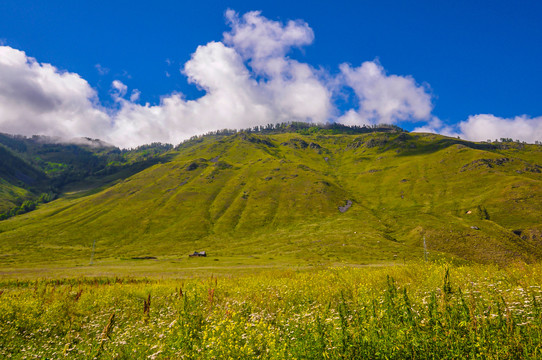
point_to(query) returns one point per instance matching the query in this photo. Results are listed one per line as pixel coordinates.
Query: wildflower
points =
(153, 356)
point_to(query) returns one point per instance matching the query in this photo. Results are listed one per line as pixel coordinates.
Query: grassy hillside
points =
(17, 179)
(301, 198)
(37, 169)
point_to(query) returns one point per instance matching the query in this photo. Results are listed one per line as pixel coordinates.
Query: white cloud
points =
(134, 96)
(486, 126)
(233, 99)
(234, 96)
(248, 80)
(431, 126)
(483, 127)
(436, 126)
(101, 70)
(265, 42)
(119, 89)
(296, 89)
(40, 99)
(384, 98)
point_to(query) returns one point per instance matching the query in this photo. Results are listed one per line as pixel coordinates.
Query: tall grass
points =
(409, 312)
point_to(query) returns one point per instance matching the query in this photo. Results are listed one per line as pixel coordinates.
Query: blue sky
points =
(467, 68)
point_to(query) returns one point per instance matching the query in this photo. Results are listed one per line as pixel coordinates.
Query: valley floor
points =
(167, 267)
(416, 310)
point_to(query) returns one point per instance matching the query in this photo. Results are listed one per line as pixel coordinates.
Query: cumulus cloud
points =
(40, 99)
(235, 96)
(486, 126)
(436, 126)
(232, 100)
(296, 88)
(248, 80)
(134, 96)
(265, 42)
(119, 89)
(384, 98)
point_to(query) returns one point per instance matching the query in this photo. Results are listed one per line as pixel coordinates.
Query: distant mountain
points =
(16, 178)
(31, 167)
(301, 193)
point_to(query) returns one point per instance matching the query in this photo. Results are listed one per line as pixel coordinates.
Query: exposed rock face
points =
(355, 144)
(256, 139)
(345, 207)
(488, 163)
(296, 143)
(196, 164)
(376, 142)
(534, 168)
(314, 146)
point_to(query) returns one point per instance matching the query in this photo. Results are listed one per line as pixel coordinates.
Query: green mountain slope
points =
(17, 179)
(310, 198)
(38, 169)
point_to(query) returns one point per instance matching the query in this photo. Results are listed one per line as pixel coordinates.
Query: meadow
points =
(411, 311)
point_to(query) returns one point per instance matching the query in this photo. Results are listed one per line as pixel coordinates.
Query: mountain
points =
(312, 195)
(15, 175)
(38, 169)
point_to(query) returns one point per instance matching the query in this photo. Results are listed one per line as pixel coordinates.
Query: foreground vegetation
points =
(417, 311)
